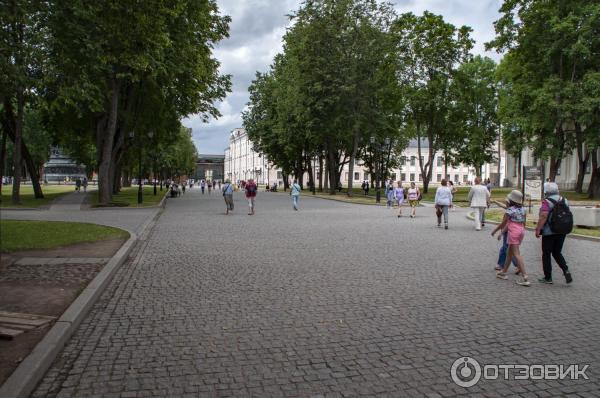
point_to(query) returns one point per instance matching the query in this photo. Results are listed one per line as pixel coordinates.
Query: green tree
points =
(474, 112)
(429, 51)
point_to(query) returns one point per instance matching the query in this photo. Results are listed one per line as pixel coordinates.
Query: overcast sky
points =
(256, 30)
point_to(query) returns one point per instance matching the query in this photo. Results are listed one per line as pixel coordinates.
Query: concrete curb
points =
(159, 205)
(28, 374)
(22, 208)
(471, 216)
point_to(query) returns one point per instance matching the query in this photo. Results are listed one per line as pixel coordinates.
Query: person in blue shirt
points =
(295, 193)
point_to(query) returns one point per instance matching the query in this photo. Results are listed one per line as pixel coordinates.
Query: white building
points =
(243, 163)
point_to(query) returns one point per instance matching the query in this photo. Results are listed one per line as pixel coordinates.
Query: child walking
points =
(514, 222)
(504, 248)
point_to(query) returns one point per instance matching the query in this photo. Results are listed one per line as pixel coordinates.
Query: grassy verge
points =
(128, 197)
(51, 192)
(24, 235)
(497, 215)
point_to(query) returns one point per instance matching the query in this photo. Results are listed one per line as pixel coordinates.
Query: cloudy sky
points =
(255, 37)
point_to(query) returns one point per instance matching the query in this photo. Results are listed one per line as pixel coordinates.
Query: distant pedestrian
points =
(202, 186)
(413, 199)
(78, 184)
(399, 195)
(479, 198)
(251, 190)
(454, 190)
(553, 231)
(295, 193)
(183, 187)
(443, 201)
(84, 184)
(365, 187)
(209, 185)
(514, 223)
(389, 194)
(228, 196)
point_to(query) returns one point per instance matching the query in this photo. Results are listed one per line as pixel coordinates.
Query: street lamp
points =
(376, 146)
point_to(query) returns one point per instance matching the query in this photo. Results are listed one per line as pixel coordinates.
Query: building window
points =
(412, 161)
(421, 160)
(279, 175)
(465, 178)
(439, 161)
(402, 160)
(420, 177)
(439, 177)
(393, 176)
(356, 176)
(412, 176)
(403, 177)
(366, 176)
(455, 177)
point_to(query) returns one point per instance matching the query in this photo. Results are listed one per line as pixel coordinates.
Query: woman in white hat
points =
(514, 222)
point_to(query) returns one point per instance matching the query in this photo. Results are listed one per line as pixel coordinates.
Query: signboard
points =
(533, 182)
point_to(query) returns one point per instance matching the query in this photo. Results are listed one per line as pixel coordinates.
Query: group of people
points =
(209, 185)
(81, 183)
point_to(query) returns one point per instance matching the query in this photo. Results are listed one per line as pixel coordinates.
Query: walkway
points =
(68, 208)
(333, 300)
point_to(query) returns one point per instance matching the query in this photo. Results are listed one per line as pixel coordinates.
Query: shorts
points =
(516, 233)
(413, 203)
(250, 202)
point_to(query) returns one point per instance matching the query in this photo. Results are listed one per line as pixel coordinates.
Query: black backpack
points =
(560, 219)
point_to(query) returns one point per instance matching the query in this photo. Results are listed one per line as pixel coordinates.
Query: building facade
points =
(210, 167)
(60, 168)
(243, 163)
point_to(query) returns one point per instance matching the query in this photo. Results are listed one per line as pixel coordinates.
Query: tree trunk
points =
(554, 166)
(18, 148)
(321, 172)
(332, 171)
(352, 160)
(311, 181)
(326, 175)
(583, 158)
(2, 158)
(107, 139)
(594, 187)
(498, 179)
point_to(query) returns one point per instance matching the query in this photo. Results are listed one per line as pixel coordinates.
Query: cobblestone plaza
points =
(333, 300)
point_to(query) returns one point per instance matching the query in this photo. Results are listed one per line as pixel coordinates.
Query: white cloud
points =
(256, 31)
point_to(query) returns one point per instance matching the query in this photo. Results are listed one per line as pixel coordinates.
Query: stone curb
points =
(471, 216)
(28, 374)
(160, 204)
(22, 208)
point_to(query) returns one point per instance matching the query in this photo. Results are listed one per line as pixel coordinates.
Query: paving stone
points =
(333, 300)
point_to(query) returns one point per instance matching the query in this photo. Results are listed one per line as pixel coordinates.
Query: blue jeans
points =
(295, 201)
(504, 251)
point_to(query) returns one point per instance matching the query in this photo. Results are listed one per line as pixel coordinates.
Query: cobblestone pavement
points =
(334, 300)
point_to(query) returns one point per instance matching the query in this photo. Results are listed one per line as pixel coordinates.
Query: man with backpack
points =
(251, 190)
(554, 223)
(228, 195)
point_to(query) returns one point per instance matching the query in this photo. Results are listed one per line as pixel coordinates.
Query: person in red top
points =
(251, 190)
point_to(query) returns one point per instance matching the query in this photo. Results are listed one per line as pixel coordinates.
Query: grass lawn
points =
(128, 197)
(23, 235)
(51, 192)
(497, 215)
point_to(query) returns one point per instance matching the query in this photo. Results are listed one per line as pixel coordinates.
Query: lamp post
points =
(376, 146)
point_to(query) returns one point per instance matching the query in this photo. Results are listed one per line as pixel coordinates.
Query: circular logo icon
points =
(465, 372)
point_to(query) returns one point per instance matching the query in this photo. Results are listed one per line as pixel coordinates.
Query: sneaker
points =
(523, 282)
(568, 277)
(517, 272)
(439, 225)
(501, 275)
(446, 226)
(498, 268)
(546, 281)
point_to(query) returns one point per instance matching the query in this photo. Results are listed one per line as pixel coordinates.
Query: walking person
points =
(389, 194)
(479, 198)
(443, 201)
(251, 190)
(78, 184)
(202, 185)
(210, 185)
(454, 190)
(413, 199)
(295, 193)
(399, 194)
(228, 196)
(84, 184)
(553, 231)
(514, 223)
(504, 248)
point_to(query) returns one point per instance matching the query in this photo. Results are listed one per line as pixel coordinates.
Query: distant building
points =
(209, 167)
(243, 163)
(60, 168)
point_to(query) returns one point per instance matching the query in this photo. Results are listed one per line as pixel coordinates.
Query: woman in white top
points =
(413, 199)
(479, 196)
(443, 200)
